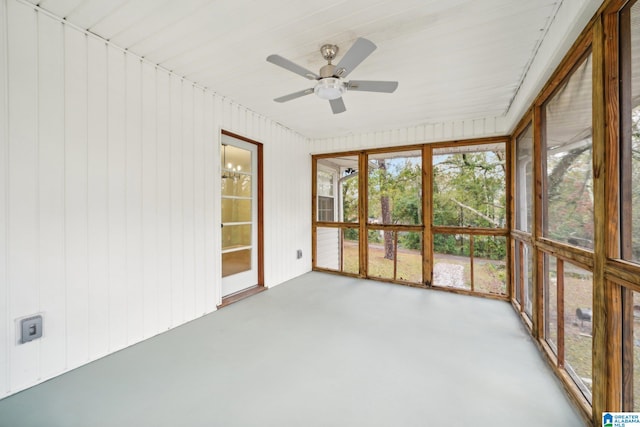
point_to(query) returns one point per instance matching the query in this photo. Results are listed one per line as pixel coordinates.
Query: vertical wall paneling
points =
(438, 131)
(249, 125)
(227, 114)
(51, 190)
(117, 158)
(188, 199)
(23, 181)
(435, 132)
(411, 134)
(218, 116)
(5, 322)
(98, 198)
(428, 133)
(501, 125)
(210, 148)
(234, 112)
(478, 127)
(163, 177)
(76, 191)
(134, 198)
(468, 128)
(453, 130)
(489, 126)
(199, 259)
(266, 207)
(150, 265)
(274, 199)
(177, 225)
(110, 195)
(276, 196)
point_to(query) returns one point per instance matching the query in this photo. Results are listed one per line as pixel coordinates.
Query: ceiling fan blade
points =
(337, 106)
(294, 95)
(360, 50)
(288, 65)
(372, 86)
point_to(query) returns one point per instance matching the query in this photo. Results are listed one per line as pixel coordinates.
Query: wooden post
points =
(427, 215)
(471, 262)
(314, 209)
(560, 309)
(603, 366)
(363, 209)
(617, 345)
(539, 166)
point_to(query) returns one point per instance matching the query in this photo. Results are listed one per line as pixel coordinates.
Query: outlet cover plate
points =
(30, 328)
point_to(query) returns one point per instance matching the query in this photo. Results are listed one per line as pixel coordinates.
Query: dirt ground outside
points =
(449, 270)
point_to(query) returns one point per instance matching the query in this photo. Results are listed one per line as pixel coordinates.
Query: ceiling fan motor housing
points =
(327, 71)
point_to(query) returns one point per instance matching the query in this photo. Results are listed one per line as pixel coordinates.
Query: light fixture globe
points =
(330, 88)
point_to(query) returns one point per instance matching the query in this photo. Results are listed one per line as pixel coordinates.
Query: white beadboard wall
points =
(109, 189)
(424, 133)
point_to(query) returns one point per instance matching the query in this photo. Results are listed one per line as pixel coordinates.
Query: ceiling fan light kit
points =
(330, 88)
(330, 85)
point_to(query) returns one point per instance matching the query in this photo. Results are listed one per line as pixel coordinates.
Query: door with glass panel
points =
(239, 215)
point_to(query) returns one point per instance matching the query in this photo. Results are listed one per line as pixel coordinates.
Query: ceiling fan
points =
(330, 84)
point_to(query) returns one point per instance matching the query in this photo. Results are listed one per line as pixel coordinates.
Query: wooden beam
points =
(580, 257)
(521, 276)
(618, 306)
(471, 231)
(314, 209)
(395, 255)
(627, 356)
(560, 309)
(539, 167)
(521, 235)
(510, 183)
(471, 275)
(624, 272)
(427, 215)
(600, 307)
(363, 209)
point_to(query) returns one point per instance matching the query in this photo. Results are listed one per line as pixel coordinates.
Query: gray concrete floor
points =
(320, 350)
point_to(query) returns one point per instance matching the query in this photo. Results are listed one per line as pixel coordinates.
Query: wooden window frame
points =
(426, 228)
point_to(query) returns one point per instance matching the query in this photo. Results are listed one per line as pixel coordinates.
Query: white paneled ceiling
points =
(454, 59)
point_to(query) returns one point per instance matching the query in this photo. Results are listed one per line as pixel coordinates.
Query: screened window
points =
(394, 234)
(632, 351)
(568, 197)
(568, 318)
(469, 186)
(630, 144)
(524, 180)
(395, 187)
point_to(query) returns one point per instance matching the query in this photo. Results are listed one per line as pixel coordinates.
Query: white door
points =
(239, 215)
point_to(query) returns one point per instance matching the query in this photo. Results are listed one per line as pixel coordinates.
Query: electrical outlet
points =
(30, 328)
(299, 253)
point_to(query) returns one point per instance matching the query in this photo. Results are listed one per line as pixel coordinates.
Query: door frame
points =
(260, 220)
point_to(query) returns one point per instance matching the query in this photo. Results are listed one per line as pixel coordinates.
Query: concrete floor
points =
(320, 350)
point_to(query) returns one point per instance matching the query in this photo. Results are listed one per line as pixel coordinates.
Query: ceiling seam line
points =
(533, 57)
